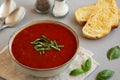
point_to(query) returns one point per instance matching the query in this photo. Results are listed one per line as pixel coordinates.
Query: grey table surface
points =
(98, 47)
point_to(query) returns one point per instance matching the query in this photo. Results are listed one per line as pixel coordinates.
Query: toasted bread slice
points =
(100, 21)
(83, 13)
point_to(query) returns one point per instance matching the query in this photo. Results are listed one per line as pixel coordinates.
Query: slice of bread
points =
(103, 16)
(83, 13)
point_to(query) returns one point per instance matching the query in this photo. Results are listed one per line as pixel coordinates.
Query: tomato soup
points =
(25, 53)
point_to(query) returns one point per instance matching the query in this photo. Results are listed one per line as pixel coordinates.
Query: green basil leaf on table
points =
(76, 72)
(87, 65)
(113, 53)
(105, 74)
(84, 68)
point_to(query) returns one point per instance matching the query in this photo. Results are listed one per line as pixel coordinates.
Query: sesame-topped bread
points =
(101, 19)
(83, 13)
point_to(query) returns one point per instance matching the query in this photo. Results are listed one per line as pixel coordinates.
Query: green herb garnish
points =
(84, 68)
(76, 72)
(113, 53)
(43, 44)
(105, 75)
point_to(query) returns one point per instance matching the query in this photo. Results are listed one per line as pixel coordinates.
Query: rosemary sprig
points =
(44, 44)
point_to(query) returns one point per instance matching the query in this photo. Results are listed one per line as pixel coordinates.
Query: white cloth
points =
(11, 71)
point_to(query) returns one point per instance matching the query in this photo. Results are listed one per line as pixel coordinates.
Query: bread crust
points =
(104, 15)
(87, 10)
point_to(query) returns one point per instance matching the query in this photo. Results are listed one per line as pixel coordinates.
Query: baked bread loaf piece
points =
(103, 16)
(83, 13)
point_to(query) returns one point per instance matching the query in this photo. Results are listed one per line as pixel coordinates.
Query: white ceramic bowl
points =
(43, 72)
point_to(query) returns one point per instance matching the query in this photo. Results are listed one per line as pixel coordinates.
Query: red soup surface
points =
(25, 53)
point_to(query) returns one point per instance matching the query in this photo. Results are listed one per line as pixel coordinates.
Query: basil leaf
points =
(105, 74)
(44, 44)
(86, 67)
(113, 53)
(76, 72)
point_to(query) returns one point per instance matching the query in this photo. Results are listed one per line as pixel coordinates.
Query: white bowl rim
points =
(36, 22)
